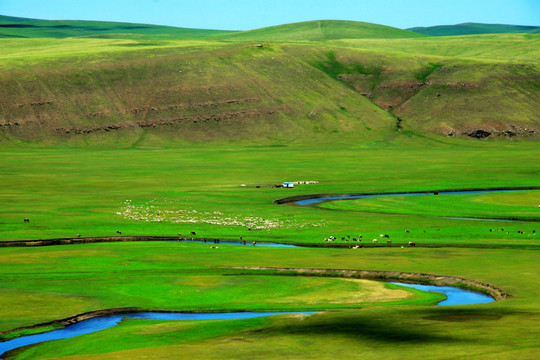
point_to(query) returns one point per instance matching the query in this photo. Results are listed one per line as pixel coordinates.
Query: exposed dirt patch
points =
(175, 121)
(37, 103)
(143, 110)
(99, 113)
(479, 134)
(492, 129)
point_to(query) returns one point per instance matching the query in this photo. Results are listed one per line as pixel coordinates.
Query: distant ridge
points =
(310, 30)
(323, 30)
(17, 27)
(473, 29)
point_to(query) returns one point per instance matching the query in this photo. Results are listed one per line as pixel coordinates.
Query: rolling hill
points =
(473, 29)
(316, 81)
(321, 30)
(14, 27)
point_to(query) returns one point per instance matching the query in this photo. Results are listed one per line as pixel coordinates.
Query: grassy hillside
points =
(14, 27)
(321, 30)
(322, 80)
(472, 29)
(199, 93)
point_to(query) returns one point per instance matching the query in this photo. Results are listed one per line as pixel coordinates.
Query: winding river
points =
(318, 199)
(454, 296)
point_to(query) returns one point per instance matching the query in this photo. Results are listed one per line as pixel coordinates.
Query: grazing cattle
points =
(406, 231)
(78, 235)
(411, 243)
(386, 236)
(193, 233)
(118, 232)
(179, 234)
(388, 241)
(375, 240)
(26, 220)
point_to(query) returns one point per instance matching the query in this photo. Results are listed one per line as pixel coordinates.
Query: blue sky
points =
(252, 14)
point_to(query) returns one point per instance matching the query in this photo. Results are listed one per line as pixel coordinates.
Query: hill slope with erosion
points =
(86, 91)
(471, 91)
(201, 92)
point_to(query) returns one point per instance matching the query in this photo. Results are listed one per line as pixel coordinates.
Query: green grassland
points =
(163, 191)
(472, 29)
(155, 133)
(188, 274)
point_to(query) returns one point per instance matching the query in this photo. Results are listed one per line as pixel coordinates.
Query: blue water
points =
(101, 323)
(248, 243)
(454, 296)
(342, 197)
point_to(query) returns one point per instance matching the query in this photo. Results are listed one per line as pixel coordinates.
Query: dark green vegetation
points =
(159, 133)
(473, 29)
(14, 27)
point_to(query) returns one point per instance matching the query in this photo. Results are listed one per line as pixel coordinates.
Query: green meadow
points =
(118, 130)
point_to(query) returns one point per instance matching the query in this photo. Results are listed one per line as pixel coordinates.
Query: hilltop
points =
(322, 30)
(473, 29)
(332, 81)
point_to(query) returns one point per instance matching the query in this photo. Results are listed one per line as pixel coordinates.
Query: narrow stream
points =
(455, 296)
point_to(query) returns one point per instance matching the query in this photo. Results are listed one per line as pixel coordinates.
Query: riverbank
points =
(380, 275)
(322, 197)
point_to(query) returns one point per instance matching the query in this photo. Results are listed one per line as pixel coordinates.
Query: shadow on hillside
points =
(388, 329)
